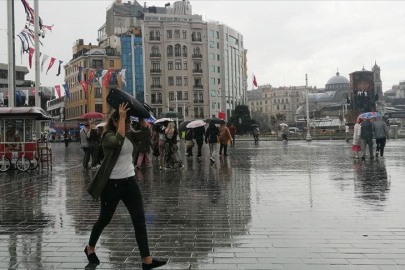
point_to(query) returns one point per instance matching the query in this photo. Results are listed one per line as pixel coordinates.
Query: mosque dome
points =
(338, 79)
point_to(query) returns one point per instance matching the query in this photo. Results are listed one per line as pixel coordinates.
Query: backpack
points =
(189, 135)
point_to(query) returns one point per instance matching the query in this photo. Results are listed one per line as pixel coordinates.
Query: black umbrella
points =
(254, 125)
(116, 97)
(182, 126)
(215, 121)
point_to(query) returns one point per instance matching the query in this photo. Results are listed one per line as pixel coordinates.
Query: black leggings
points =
(128, 191)
(381, 145)
(223, 146)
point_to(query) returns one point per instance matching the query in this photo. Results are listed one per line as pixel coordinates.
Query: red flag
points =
(91, 76)
(31, 53)
(107, 77)
(83, 83)
(57, 87)
(254, 81)
(50, 64)
(33, 91)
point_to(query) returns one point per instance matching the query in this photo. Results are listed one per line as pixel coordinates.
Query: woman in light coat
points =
(356, 138)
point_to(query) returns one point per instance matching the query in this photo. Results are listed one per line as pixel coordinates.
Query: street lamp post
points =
(308, 138)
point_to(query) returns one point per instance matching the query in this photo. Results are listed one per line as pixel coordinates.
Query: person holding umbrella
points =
(198, 134)
(115, 181)
(366, 135)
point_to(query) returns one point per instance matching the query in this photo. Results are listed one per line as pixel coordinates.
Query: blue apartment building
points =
(126, 58)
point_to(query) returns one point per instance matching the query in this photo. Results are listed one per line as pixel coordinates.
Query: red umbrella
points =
(92, 115)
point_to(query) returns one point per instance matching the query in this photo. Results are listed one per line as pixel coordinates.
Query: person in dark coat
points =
(211, 137)
(199, 139)
(366, 136)
(144, 147)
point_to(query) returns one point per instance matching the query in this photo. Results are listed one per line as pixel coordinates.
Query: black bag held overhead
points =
(137, 109)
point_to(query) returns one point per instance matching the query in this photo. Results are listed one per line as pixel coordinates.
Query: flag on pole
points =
(91, 76)
(254, 81)
(122, 73)
(67, 92)
(50, 64)
(33, 91)
(60, 64)
(83, 84)
(79, 75)
(107, 78)
(31, 53)
(44, 58)
(57, 87)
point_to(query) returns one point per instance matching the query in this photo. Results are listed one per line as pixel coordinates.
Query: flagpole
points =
(37, 67)
(11, 54)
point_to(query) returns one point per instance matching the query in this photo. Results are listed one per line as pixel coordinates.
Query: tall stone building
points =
(188, 65)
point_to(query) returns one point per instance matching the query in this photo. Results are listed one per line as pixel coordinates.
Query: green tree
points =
(241, 119)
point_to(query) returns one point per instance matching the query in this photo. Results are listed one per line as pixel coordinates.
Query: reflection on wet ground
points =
(273, 205)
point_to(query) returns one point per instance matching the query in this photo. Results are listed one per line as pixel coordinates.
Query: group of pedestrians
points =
(90, 142)
(364, 133)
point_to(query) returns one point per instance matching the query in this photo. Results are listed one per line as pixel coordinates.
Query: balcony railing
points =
(197, 71)
(177, 54)
(170, 55)
(197, 55)
(198, 101)
(184, 54)
(156, 86)
(154, 38)
(155, 55)
(156, 102)
(196, 39)
(197, 86)
(155, 71)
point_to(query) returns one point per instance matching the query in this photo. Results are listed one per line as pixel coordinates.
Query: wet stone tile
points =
(269, 206)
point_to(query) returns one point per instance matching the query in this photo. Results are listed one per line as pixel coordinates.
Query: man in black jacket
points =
(199, 139)
(366, 136)
(211, 137)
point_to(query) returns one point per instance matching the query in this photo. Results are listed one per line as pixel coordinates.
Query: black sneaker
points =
(363, 158)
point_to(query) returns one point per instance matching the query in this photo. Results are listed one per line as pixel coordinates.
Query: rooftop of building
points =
(24, 69)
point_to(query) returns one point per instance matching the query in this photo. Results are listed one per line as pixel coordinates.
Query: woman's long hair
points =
(114, 117)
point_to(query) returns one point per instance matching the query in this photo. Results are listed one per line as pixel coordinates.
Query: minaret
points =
(377, 80)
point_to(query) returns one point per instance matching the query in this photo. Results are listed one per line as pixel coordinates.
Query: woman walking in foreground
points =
(115, 181)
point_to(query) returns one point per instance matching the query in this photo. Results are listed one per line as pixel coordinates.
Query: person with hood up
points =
(224, 139)
(381, 135)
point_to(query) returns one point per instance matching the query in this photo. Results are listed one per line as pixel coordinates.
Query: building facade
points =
(92, 96)
(278, 103)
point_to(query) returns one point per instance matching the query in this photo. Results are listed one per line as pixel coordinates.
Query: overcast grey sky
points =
(285, 39)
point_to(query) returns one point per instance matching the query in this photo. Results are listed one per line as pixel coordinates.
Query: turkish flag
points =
(57, 87)
(254, 81)
(83, 83)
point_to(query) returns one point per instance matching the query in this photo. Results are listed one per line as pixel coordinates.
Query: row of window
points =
(179, 65)
(178, 50)
(179, 81)
(198, 112)
(279, 107)
(275, 101)
(155, 35)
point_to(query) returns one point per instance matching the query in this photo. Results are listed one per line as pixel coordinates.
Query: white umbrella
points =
(283, 124)
(101, 125)
(196, 124)
(161, 120)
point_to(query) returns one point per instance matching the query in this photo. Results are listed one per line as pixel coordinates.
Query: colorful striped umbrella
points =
(148, 120)
(369, 115)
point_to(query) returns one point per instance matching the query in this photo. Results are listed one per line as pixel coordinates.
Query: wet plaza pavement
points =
(274, 205)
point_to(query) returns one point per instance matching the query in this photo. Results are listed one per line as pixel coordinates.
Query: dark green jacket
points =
(112, 143)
